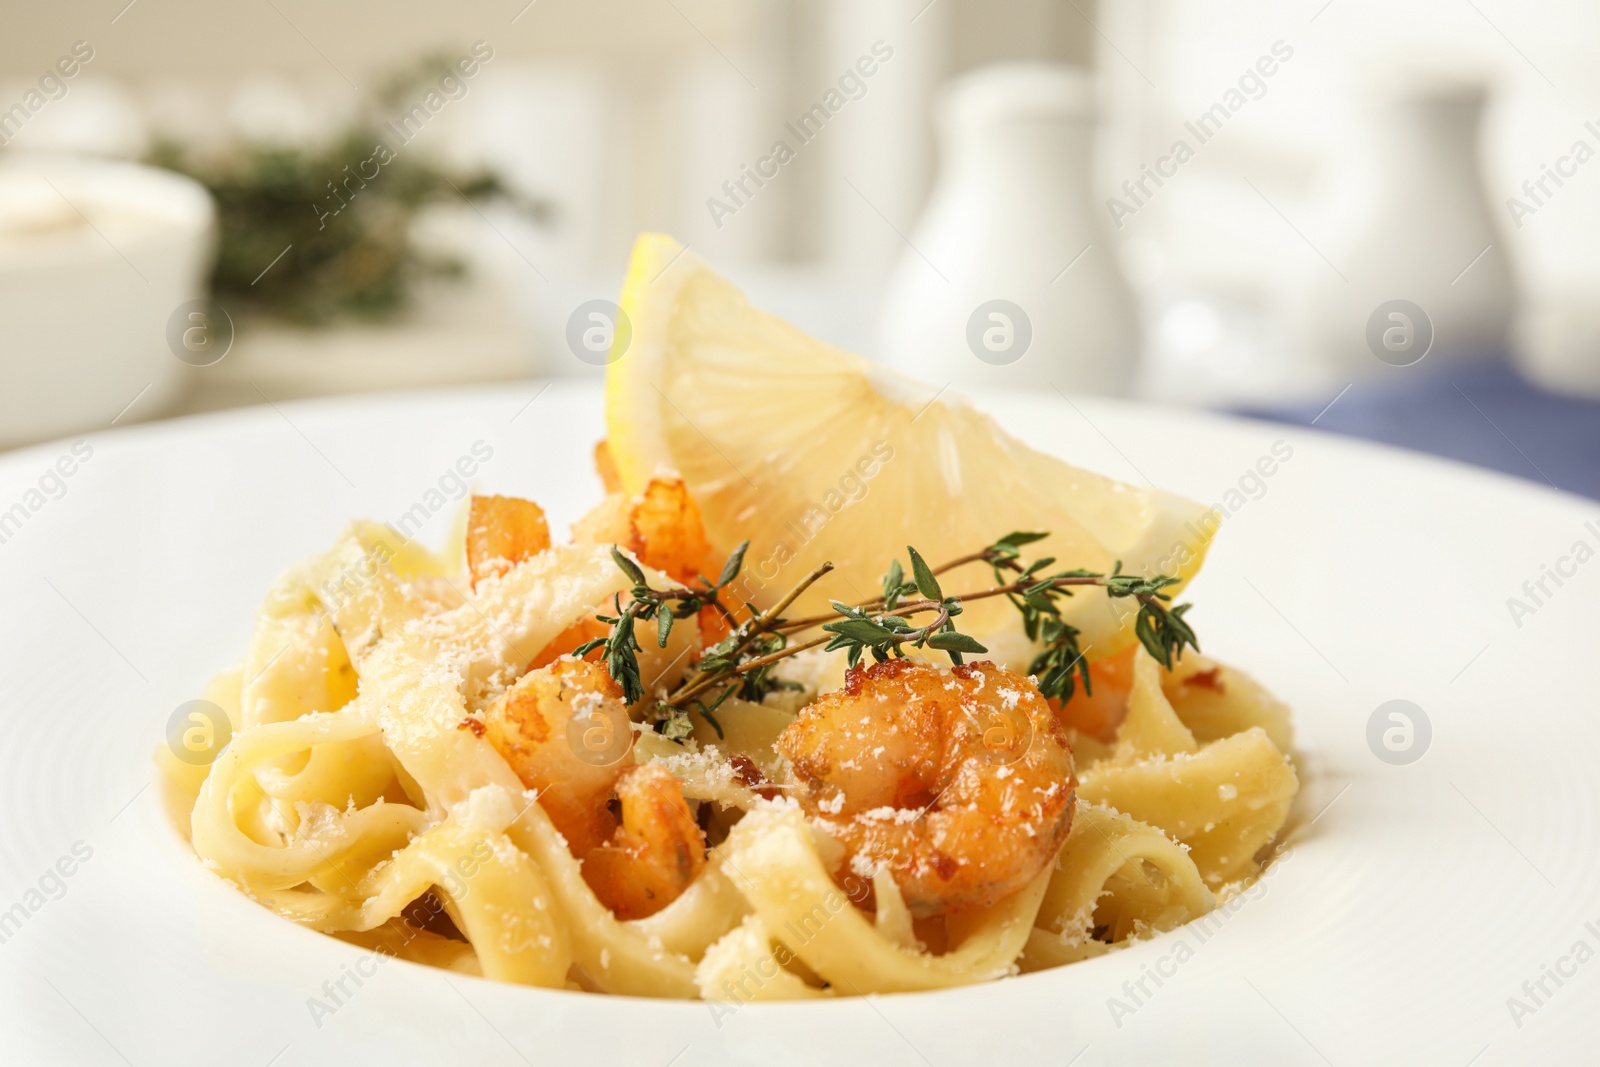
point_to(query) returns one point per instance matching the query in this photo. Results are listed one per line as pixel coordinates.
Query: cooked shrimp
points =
(605, 465)
(658, 667)
(957, 780)
(502, 531)
(656, 852)
(581, 632)
(636, 866)
(1098, 714)
(662, 528)
(529, 727)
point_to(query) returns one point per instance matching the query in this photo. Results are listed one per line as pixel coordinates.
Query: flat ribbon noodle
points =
(217, 837)
(420, 681)
(775, 863)
(1102, 847)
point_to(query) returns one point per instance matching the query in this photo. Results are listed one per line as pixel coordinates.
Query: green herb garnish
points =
(741, 663)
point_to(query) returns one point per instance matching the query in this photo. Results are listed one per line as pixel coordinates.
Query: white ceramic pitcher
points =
(1422, 269)
(1010, 278)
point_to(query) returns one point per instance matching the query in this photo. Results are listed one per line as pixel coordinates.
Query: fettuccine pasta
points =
(446, 767)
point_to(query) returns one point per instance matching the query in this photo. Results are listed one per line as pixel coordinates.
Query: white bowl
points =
(95, 257)
(1420, 897)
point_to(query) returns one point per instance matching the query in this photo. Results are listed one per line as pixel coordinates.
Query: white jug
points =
(1422, 270)
(1011, 278)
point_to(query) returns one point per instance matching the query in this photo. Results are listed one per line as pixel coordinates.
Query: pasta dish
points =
(837, 690)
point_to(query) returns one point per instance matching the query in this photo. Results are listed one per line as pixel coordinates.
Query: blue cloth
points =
(1483, 413)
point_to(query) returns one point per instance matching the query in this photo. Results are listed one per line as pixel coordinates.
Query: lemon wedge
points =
(815, 454)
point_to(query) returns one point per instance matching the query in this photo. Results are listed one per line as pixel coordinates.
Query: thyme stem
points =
(745, 656)
(745, 635)
(918, 606)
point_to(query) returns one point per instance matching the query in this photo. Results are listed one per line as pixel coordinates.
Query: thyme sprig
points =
(664, 606)
(741, 663)
(887, 633)
(1161, 629)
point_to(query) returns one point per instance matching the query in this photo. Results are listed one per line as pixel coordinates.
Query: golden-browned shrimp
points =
(657, 665)
(581, 632)
(661, 527)
(656, 852)
(564, 731)
(502, 531)
(956, 780)
(530, 727)
(1099, 713)
(605, 465)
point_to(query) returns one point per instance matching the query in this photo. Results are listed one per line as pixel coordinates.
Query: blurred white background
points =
(1356, 152)
(626, 115)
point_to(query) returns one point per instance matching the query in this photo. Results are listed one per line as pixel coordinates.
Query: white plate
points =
(1396, 931)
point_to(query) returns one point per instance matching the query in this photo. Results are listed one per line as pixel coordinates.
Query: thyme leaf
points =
(741, 663)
